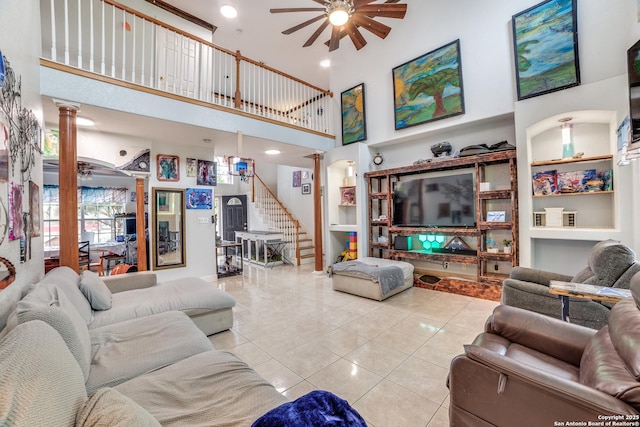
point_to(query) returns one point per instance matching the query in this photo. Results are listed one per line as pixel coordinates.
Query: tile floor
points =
(389, 359)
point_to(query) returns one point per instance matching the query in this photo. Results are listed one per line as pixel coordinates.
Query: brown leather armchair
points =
(529, 369)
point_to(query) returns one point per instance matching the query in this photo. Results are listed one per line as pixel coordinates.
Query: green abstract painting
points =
(429, 87)
(353, 115)
(546, 48)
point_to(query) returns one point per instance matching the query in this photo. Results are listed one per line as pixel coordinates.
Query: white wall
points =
(300, 205)
(606, 30)
(20, 36)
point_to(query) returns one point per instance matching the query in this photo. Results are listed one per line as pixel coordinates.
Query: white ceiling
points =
(257, 34)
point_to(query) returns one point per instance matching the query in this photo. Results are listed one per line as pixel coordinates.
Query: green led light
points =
(440, 239)
(422, 237)
(431, 237)
(426, 245)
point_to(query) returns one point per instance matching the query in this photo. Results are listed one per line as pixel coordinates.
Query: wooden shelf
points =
(494, 195)
(565, 161)
(507, 225)
(583, 193)
(434, 230)
(419, 255)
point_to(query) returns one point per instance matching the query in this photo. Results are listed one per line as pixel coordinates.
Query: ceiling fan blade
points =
(304, 24)
(334, 43)
(316, 34)
(384, 10)
(369, 24)
(322, 2)
(359, 3)
(355, 35)
(297, 9)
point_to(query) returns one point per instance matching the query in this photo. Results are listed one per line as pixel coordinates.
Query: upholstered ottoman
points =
(375, 278)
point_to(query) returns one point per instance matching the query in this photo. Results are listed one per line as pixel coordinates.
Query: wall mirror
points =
(168, 228)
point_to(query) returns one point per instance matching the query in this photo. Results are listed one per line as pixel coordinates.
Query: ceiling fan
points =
(347, 16)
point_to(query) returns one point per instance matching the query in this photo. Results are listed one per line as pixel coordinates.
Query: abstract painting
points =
(429, 87)
(545, 39)
(353, 115)
(199, 198)
(297, 178)
(192, 167)
(168, 167)
(15, 211)
(206, 173)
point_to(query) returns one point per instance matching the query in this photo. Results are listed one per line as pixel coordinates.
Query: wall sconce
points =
(567, 138)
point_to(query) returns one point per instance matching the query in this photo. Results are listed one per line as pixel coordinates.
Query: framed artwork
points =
(206, 173)
(4, 153)
(192, 167)
(133, 196)
(354, 126)
(429, 87)
(348, 196)
(545, 44)
(297, 178)
(306, 188)
(51, 143)
(34, 208)
(199, 198)
(168, 167)
(15, 211)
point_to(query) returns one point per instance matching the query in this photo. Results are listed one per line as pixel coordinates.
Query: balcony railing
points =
(112, 40)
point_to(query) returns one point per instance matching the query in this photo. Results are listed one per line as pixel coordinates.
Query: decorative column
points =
(68, 184)
(317, 218)
(141, 231)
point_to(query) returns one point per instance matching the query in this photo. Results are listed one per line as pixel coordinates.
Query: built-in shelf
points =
(343, 227)
(349, 205)
(571, 160)
(583, 193)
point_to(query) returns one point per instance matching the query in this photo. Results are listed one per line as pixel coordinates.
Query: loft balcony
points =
(112, 43)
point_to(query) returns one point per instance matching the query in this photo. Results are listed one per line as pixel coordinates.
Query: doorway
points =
(234, 216)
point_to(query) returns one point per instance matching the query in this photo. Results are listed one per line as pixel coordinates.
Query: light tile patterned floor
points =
(389, 359)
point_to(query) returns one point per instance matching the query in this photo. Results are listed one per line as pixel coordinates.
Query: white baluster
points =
(54, 53)
(91, 38)
(79, 34)
(66, 32)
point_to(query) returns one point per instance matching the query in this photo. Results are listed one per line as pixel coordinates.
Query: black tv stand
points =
(454, 251)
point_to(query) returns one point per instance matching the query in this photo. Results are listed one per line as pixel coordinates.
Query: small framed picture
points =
(496, 216)
(306, 188)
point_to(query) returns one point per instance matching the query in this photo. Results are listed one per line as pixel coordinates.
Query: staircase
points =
(276, 216)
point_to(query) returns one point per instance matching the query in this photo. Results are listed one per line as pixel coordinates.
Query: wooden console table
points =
(581, 290)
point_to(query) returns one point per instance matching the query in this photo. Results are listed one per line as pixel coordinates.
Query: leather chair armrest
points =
(561, 340)
(537, 276)
(570, 391)
(130, 281)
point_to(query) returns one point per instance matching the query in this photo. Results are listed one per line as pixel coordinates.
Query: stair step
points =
(304, 256)
(305, 240)
(302, 248)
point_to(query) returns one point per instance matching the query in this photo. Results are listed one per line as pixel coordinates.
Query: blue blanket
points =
(318, 408)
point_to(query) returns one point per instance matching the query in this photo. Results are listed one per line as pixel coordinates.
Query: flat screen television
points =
(633, 72)
(435, 201)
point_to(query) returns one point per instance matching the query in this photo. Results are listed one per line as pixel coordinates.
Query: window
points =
(222, 171)
(97, 207)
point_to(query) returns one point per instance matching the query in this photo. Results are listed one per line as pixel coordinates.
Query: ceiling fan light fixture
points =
(339, 12)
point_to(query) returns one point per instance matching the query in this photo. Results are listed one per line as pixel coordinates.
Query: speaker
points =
(402, 243)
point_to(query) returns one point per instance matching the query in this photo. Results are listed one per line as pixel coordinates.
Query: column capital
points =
(66, 104)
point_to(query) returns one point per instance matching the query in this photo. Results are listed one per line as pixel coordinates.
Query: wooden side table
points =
(564, 290)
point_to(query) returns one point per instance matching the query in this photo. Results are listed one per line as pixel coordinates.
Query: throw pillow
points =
(40, 382)
(95, 290)
(107, 407)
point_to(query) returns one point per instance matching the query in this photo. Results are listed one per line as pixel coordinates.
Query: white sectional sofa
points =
(60, 366)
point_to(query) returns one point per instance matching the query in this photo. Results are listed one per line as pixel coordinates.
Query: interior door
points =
(178, 60)
(234, 216)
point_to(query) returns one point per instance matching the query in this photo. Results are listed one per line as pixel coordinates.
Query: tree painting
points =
(429, 87)
(546, 48)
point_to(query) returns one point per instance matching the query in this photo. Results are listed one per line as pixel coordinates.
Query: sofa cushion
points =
(107, 407)
(601, 368)
(190, 293)
(228, 391)
(40, 382)
(127, 349)
(624, 331)
(61, 314)
(67, 280)
(608, 260)
(95, 290)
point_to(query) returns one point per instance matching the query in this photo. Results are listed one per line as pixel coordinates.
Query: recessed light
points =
(228, 11)
(272, 152)
(325, 63)
(83, 121)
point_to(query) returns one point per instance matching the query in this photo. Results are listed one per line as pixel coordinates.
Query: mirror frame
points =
(157, 192)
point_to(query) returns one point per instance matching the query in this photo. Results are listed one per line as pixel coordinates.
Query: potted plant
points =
(507, 246)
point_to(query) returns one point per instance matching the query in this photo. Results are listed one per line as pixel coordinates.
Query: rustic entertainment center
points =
(491, 203)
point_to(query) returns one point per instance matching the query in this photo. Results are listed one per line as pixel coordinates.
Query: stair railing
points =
(278, 215)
